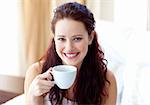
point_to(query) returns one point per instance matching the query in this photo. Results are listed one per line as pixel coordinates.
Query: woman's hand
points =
(41, 84)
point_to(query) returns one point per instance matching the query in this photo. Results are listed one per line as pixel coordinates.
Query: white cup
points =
(64, 75)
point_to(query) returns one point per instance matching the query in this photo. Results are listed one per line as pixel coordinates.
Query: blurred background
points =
(123, 28)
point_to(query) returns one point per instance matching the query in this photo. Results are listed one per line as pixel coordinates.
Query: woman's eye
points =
(77, 39)
(61, 39)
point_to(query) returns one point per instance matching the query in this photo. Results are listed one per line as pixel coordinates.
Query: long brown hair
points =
(90, 86)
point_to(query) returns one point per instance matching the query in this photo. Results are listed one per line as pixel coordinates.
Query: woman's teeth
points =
(70, 55)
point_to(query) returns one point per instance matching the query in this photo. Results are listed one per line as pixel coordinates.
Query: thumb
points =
(47, 74)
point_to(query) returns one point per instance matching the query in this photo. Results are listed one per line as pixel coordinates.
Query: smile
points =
(71, 55)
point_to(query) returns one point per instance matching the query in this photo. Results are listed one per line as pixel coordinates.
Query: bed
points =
(18, 100)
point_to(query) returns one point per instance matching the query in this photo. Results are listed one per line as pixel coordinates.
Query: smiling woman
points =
(115, 34)
(70, 41)
(74, 43)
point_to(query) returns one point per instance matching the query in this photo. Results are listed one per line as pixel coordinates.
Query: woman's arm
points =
(112, 89)
(31, 73)
(36, 84)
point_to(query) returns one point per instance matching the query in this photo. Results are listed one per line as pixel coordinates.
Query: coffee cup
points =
(64, 75)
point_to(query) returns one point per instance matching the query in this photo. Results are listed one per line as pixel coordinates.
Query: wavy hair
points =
(90, 86)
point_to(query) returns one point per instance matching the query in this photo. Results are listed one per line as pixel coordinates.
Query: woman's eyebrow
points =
(77, 35)
(60, 35)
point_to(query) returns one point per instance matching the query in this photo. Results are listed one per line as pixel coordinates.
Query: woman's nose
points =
(69, 45)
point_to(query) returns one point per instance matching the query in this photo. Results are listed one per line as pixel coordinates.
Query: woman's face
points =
(71, 41)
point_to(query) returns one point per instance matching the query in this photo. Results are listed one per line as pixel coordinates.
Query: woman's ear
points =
(91, 37)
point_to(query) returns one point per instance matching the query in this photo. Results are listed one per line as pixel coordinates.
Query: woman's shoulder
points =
(111, 78)
(35, 67)
(110, 75)
(112, 88)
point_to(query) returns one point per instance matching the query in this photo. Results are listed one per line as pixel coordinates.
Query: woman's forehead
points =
(69, 26)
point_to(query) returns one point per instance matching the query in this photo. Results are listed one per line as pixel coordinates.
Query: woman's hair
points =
(90, 85)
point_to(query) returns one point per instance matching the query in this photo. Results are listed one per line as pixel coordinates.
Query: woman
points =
(74, 43)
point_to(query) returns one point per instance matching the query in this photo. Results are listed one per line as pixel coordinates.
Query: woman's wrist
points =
(34, 100)
(37, 100)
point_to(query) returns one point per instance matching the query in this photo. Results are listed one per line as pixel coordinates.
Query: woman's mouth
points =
(71, 55)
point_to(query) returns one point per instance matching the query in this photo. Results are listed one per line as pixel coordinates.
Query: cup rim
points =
(61, 66)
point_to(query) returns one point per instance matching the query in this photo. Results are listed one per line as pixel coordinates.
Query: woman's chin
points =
(70, 63)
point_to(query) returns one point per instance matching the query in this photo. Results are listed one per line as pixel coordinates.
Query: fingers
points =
(41, 87)
(42, 83)
(46, 75)
(47, 83)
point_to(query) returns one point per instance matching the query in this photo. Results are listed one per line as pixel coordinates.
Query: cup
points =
(64, 75)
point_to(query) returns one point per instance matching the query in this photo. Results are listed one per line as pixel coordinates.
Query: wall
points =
(148, 25)
(11, 76)
(9, 37)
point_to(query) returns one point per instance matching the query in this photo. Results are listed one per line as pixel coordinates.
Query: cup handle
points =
(51, 72)
(52, 77)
